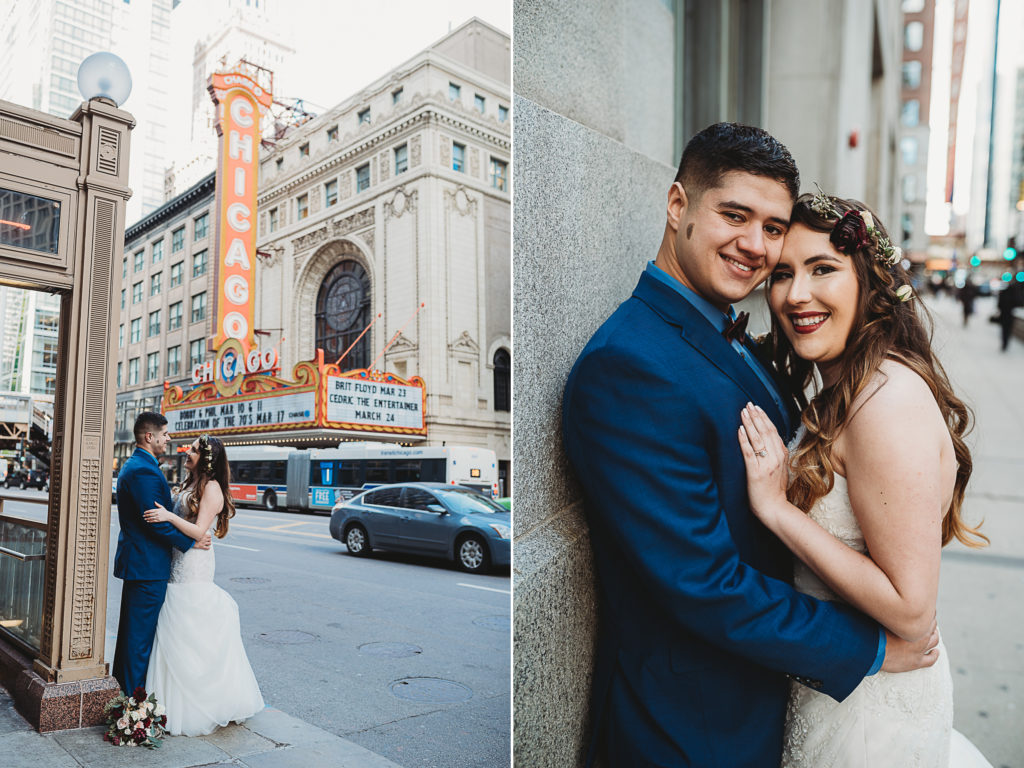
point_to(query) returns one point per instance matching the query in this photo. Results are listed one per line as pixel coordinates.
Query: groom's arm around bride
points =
(143, 558)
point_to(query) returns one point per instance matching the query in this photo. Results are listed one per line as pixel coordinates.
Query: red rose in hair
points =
(850, 233)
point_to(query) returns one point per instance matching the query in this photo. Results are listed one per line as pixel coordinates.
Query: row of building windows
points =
(81, 16)
(80, 34)
(498, 178)
(200, 261)
(200, 229)
(479, 102)
(174, 316)
(196, 350)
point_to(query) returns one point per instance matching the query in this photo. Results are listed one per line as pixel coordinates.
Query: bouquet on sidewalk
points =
(136, 720)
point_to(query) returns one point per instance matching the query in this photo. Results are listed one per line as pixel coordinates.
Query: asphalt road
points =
(405, 656)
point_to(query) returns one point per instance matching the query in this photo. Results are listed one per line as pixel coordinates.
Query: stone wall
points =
(593, 163)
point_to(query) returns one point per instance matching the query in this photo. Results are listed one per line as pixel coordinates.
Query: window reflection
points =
(27, 221)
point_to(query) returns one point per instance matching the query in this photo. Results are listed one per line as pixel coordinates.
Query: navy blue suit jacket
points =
(144, 549)
(699, 626)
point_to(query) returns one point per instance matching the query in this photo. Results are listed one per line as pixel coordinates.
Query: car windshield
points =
(464, 501)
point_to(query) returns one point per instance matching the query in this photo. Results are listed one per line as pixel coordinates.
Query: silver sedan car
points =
(449, 521)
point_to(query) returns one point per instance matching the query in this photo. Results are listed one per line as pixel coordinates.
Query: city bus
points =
(314, 480)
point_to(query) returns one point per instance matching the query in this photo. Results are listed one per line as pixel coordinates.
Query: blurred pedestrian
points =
(1009, 299)
(967, 294)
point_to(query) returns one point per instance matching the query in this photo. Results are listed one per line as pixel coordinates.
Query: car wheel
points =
(471, 554)
(357, 541)
(270, 501)
(7, 482)
(23, 485)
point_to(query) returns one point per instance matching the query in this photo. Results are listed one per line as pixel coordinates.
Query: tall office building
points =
(28, 342)
(210, 36)
(42, 44)
(915, 106)
(1016, 201)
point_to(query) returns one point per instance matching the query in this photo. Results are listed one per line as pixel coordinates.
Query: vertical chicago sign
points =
(239, 99)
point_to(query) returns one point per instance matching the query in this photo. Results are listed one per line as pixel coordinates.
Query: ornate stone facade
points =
(425, 236)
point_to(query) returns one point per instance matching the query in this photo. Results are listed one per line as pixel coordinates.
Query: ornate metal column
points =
(81, 165)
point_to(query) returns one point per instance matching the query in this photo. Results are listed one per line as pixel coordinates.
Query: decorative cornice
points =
(334, 229)
(464, 344)
(172, 207)
(402, 345)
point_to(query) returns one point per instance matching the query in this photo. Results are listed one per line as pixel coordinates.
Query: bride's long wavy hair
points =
(886, 327)
(212, 465)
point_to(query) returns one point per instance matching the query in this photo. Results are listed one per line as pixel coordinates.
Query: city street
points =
(405, 656)
(980, 612)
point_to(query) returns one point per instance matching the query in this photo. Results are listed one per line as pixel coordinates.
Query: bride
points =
(198, 669)
(880, 466)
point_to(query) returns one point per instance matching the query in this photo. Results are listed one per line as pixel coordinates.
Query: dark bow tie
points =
(736, 331)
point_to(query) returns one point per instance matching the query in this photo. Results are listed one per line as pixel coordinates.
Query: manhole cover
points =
(497, 623)
(390, 650)
(431, 689)
(287, 637)
(250, 580)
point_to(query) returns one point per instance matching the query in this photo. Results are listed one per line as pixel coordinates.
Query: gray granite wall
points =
(593, 163)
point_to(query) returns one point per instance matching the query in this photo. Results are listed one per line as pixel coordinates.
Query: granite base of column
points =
(53, 706)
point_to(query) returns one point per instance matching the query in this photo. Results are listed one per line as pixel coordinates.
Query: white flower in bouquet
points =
(131, 701)
(149, 706)
(158, 710)
(123, 723)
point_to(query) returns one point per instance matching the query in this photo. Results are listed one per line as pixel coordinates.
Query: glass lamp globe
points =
(104, 76)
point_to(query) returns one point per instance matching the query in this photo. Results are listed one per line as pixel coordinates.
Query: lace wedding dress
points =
(901, 720)
(198, 669)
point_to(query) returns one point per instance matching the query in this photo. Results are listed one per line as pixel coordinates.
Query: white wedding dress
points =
(198, 669)
(901, 720)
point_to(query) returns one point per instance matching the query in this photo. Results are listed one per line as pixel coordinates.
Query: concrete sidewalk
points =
(981, 614)
(270, 739)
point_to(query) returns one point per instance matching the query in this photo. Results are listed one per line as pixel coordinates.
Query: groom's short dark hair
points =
(148, 421)
(725, 147)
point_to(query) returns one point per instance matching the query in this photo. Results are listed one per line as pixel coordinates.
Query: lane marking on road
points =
(284, 526)
(489, 589)
(291, 533)
(278, 517)
(235, 546)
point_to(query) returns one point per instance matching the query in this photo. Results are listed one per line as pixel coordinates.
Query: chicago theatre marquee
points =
(379, 285)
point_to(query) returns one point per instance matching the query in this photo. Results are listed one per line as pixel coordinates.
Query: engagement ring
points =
(762, 453)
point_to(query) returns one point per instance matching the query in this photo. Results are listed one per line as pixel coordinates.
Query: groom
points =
(700, 629)
(143, 558)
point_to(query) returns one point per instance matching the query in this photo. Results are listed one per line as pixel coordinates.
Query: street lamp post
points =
(78, 169)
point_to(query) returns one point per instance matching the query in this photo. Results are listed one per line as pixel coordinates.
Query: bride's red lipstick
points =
(794, 316)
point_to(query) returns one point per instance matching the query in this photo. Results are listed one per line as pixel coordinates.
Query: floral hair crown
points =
(855, 230)
(206, 453)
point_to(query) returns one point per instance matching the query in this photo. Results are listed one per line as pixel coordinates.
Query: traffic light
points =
(975, 261)
(1010, 253)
